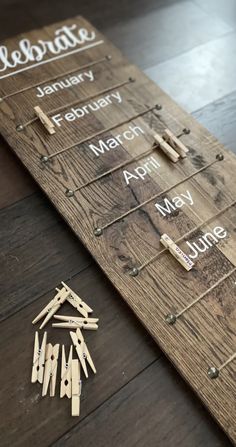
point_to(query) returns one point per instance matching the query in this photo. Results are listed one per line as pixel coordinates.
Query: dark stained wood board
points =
(205, 336)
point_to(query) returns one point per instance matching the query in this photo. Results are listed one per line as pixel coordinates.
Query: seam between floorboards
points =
(53, 444)
(144, 69)
(211, 103)
(20, 200)
(60, 220)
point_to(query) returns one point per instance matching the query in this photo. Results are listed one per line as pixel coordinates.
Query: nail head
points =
(19, 128)
(69, 193)
(44, 159)
(171, 318)
(220, 157)
(134, 271)
(213, 372)
(98, 232)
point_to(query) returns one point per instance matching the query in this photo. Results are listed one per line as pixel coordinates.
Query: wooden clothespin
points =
(50, 371)
(76, 322)
(66, 367)
(38, 358)
(166, 148)
(181, 257)
(77, 302)
(52, 307)
(82, 351)
(175, 143)
(76, 386)
(48, 124)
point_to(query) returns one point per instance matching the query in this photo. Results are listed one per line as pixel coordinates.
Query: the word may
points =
(170, 205)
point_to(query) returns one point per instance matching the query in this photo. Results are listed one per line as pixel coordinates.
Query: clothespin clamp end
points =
(48, 124)
(178, 254)
(76, 385)
(166, 148)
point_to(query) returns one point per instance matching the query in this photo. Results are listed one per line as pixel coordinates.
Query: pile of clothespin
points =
(45, 358)
(171, 145)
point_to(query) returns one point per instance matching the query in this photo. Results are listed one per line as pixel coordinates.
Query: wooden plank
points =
(225, 9)
(162, 286)
(23, 411)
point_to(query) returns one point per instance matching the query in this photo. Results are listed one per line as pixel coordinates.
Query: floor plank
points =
(220, 118)
(220, 8)
(172, 30)
(101, 14)
(121, 348)
(15, 182)
(200, 76)
(154, 409)
(15, 18)
(37, 251)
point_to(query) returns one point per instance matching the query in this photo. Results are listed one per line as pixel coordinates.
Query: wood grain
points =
(192, 344)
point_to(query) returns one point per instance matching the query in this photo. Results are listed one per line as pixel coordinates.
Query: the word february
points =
(65, 38)
(93, 106)
(65, 83)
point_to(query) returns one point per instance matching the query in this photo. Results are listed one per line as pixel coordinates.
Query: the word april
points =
(141, 171)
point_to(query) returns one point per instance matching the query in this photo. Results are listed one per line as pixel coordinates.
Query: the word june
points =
(206, 241)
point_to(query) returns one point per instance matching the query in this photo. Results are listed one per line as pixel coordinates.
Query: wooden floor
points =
(137, 398)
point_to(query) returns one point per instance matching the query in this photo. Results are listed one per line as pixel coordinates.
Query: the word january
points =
(91, 107)
(65, 83)
(170, 205)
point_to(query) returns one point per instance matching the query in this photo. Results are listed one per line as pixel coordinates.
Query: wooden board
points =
(205, 335)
